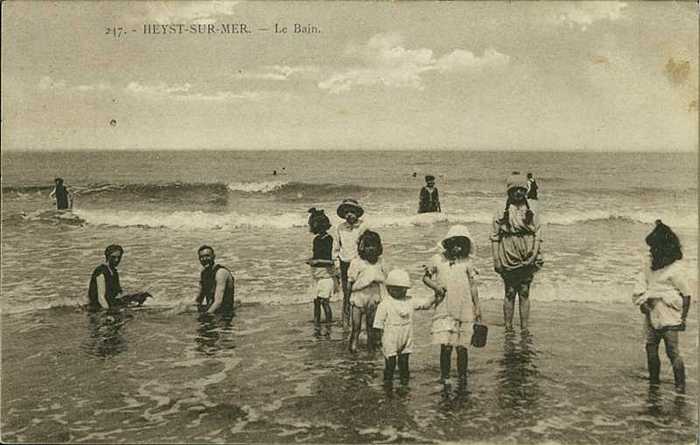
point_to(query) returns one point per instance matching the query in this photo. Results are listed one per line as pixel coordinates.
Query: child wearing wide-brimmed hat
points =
(345, 241)
(454, 279)
(395, 318)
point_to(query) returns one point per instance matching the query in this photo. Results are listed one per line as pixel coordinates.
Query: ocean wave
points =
(203, 220)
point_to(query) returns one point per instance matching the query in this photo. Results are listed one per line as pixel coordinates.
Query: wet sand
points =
(150, 376)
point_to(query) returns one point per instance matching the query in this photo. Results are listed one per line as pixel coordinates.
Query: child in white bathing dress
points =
(452, 275)
(395, 318)
(366, 281)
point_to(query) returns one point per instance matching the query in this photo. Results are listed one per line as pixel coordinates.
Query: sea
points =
(159, 373)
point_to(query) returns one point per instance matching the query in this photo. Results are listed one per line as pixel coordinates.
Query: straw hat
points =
(350, 205)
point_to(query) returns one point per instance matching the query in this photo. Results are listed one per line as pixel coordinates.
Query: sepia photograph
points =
(349, 222)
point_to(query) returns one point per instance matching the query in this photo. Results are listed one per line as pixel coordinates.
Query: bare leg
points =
(508, 307)
(356, 326)
(371, 343)
(524, 300)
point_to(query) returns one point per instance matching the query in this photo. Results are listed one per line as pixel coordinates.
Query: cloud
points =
(184, 93)
(585, 13)
(386, 61)
(46, 83)
(188, 12)
(278, 72)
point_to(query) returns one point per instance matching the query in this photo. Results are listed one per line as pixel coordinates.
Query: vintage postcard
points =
(349, 222)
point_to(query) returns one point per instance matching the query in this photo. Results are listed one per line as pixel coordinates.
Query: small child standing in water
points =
(453, 277)
(365, 280)
(662, 292)
(395, 318)
(322, 270)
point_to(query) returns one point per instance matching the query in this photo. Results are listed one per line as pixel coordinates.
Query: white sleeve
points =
(380, 316)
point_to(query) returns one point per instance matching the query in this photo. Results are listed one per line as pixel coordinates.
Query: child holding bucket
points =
(395, 318)
(454, 279)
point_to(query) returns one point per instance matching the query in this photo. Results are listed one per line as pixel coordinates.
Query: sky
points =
(578, 76)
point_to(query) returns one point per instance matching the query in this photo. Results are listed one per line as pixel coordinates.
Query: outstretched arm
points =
(475, 301)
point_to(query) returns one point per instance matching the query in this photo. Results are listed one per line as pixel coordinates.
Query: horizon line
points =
(559, 150)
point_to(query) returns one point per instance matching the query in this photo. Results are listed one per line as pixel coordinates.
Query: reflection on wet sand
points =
(518, 388)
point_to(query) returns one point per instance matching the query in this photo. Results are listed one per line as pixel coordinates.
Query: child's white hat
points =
(398, 278)
(459, 230)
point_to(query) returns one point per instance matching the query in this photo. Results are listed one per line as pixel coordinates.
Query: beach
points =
(158, 374)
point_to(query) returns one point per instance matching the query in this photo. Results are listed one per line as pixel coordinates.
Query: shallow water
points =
(155, 374)
(272, 376)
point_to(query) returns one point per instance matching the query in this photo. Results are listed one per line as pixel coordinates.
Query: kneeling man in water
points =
(104, 290)
(216, 285)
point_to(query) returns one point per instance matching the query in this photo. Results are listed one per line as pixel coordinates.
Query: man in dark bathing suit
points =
(216, 285)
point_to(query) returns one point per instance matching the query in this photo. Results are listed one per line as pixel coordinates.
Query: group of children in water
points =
(381, 299)
(354, 256)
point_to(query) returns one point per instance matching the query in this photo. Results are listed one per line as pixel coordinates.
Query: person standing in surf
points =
(532, 187)
(454, 279)
(104, 290)
(662, 292)
(322, 264)
(515, 247)
(429, 200)
(366, 280)
(345, 241)
(62, 195)
(216, 285)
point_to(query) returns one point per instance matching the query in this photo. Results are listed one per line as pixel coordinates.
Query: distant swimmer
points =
(62, 195)
(429, 201)
(216, 285)
(531, 187)
(274, 172)
(415, 174)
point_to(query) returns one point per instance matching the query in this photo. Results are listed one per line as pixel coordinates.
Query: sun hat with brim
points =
(456, 231)
(350, 205)
(398, 278)
(516, 180)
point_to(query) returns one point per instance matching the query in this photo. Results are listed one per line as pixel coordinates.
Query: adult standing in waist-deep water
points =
(62, 195)
(216, 285)
(531, 187)
(515, 246)
(662, 292)
(429, 200)
(104, 290)
(345, 242)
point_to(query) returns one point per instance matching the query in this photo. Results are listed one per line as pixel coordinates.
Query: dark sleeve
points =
(323, 248)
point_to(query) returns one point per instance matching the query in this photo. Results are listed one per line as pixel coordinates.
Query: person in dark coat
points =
(429, 201)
